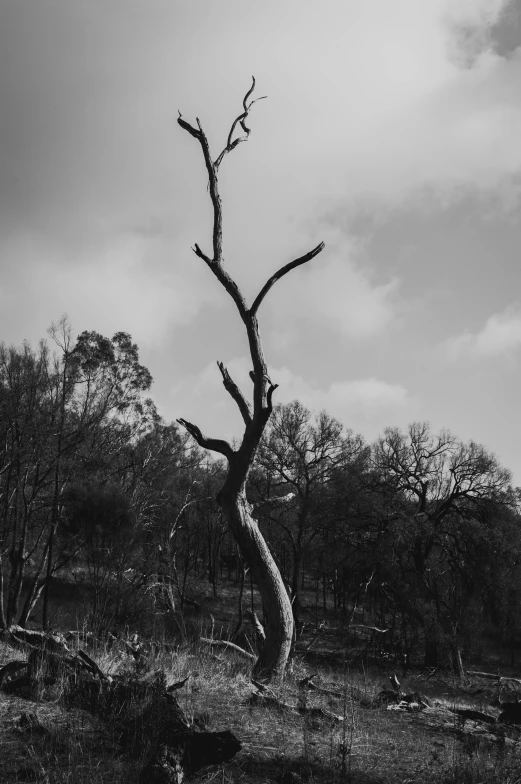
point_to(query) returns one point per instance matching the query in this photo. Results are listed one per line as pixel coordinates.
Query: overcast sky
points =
(391, 131)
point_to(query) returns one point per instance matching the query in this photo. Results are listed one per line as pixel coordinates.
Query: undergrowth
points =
(366, 744)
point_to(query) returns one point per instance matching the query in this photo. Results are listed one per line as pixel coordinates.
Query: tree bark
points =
(232, 497)
(277, 607)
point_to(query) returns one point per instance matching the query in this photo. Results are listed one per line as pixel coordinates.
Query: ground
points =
(370, 742)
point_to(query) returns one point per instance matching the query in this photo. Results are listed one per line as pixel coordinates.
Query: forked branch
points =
(212, 168)
(254, 418)
(280, 274)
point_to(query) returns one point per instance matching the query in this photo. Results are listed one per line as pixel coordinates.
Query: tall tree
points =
(232, 497)
(61, 415)
(441, 490)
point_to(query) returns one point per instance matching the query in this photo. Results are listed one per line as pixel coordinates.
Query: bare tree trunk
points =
(277, 607)
(232, 497)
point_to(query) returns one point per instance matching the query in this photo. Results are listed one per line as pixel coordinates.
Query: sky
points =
(391, 132)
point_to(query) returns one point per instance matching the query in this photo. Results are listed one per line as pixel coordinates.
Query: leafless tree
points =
(232, 497)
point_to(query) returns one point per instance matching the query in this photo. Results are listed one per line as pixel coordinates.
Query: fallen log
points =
(142, 712)
(493, 677)
(473, 715)
(20, 637)
(264, 696)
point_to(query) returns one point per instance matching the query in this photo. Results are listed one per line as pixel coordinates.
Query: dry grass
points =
(371, 746)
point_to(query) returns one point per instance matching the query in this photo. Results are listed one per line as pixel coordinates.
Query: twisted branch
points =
(231, 145)
(215, 444)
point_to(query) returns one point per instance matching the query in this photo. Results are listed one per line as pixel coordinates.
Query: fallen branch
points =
(33, 639)
(174, 747)
(307, 683)
(473, 715)
(231, 645)
(493, 677)
(92, 666)
(264, 696)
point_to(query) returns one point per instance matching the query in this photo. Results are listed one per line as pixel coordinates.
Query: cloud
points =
(89, 146)
(500, 336)
(334, 289)
(383, 106)
(122, 285)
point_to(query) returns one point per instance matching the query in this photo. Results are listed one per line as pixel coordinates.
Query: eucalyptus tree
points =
(63, 415)
(443, 494)
(232, 496)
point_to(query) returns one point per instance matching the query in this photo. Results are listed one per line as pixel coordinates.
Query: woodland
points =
(300, 551)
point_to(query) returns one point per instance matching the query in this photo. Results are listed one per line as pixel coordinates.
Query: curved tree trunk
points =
(277, 607)
(232, 497)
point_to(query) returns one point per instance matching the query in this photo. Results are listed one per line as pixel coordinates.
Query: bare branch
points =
(284, 271)
(187, 127)
(212, 168)
(231, 145)
(215, 444)
(227, 644)
(198, 252)
(265, 506)
(232, 388)
(226, 281)
(269, 403)
(213, 187)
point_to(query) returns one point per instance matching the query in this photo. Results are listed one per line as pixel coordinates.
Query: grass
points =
(372, 745)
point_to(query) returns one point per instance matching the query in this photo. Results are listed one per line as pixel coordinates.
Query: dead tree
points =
(232, 497)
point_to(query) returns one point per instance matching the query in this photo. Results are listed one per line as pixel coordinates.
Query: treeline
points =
(418, 531)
